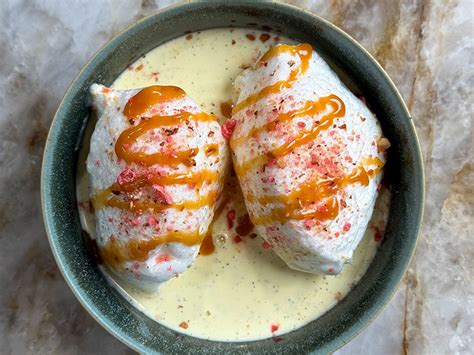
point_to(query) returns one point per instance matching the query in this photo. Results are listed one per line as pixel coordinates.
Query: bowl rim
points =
(351, 332)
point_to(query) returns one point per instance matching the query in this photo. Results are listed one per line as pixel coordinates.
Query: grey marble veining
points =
(425, 46)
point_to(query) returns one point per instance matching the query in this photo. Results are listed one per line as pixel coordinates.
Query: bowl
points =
(366, 299)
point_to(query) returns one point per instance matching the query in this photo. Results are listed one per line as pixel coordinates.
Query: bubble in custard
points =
(220, 239)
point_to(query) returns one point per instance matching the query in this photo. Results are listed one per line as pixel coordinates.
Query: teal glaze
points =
(351, 315)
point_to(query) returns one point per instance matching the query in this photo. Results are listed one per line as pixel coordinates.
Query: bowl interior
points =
(404, 169)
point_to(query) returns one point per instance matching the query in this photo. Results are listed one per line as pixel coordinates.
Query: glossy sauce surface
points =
(238, 289)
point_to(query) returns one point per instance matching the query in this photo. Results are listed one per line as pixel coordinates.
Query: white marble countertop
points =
(425, 46)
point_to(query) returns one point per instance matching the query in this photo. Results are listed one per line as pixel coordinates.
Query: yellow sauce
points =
(240, 290)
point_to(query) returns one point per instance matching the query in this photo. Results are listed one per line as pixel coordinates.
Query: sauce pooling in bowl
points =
(237, 289)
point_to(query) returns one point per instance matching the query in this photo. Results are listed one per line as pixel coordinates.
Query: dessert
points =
(156, 166)
(309, 156)
(237, 288)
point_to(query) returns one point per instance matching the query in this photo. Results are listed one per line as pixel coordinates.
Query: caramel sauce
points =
(226, 109)
(328, 211)
(193, 178)
(211, 149)
(307, 194)
(304, 51)
(148, 97)
(130, 136)
(307, 136)
(115, 253)
(311, 108)
(207, 245)
(373, 161)
(140, 206)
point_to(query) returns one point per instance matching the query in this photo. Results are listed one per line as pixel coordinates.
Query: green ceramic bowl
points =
(405, 169)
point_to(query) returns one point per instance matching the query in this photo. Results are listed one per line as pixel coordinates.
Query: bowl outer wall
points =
(373, 291)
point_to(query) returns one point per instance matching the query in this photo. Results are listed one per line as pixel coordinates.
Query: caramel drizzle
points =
(154, 207)
(304, 51)
(114, 252)
(207, 246)
(131, 135)
(150, 96)
(311, 108)
(373, 161)
(191, 178)
(309, 194)
(102, 199)
(328, 211)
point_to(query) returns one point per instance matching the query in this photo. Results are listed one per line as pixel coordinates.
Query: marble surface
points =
(425, 46)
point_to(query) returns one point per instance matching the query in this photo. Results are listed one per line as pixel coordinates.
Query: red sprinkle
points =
(244, 226)
(346, 227)
(126, 176)
(228, 128)
(136, 221)
(151, 220)
(271, 178)
(331, 270)
(378, 235)
(237, 239)
(274, 328)
(301, 124)
(309, 223)
(162, 195)
(163, 258)
(272, 162)
(230, 218)
(266, 245)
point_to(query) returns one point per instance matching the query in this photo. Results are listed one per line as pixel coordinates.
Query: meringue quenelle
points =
(309, 156)
(156, 166)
